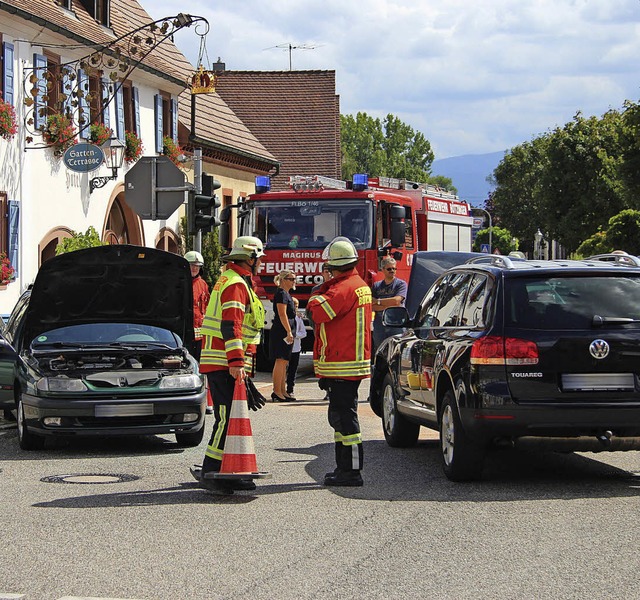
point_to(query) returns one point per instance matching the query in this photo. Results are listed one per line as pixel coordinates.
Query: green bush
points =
(78, 241)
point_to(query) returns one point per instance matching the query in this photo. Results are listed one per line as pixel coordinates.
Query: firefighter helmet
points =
(340, 252)
(194, 258)
(245, 247)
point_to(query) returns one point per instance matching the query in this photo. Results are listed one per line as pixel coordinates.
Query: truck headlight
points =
(60, 384)
(180, 382)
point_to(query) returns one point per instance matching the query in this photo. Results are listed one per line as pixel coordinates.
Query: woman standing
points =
(281, 336)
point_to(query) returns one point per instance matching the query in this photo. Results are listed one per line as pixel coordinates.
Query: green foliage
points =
(79, 241)
(623, 232)
(596, 244)
(443, 182)
(570, 181)
(211, 252)
(388, 148)
(500, 238)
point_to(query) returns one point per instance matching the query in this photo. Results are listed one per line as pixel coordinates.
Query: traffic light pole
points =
(197, 182)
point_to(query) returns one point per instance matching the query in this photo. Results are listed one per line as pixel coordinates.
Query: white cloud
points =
(472, 77)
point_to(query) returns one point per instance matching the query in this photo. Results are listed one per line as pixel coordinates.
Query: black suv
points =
(515, 351)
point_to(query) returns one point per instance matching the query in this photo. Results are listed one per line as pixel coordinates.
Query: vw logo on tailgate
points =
(599, 349)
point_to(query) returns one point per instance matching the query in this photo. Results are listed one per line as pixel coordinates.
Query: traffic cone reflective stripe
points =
(239, 456)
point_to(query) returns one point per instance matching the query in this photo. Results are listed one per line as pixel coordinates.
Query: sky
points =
(472, 77)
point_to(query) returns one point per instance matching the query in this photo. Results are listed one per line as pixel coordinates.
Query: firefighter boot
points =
(344, 479)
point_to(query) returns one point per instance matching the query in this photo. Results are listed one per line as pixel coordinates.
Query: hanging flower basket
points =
(60, 133)
(99, 133)
(133, 147)
(7, 272)
(172, 151)
(8, 120)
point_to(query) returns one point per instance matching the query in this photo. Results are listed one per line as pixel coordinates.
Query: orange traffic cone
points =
(239, 457)
(209, 400)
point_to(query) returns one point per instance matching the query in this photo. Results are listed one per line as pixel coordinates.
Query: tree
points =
(78, 241)
(566, 182)
(210, 250)
(596, 244)
(388, 148)
(501, 239)
(623, 232)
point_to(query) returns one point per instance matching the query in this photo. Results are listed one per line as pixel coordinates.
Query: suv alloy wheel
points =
(462, 458)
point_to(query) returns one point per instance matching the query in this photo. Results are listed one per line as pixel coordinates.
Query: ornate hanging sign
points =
(61, 101)
(83, 158)
(203, 82)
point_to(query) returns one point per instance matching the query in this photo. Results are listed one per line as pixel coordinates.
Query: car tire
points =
(26, 439)
(462, 459)
(398, 431)
(190, 439)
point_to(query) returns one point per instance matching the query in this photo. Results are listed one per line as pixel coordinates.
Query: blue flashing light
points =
(360, 182)
(263, 184)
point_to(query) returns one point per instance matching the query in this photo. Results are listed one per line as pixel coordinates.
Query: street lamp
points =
(490, 226)
(538, 237)
(113, 150)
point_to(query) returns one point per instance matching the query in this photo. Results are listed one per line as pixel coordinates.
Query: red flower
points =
(7, 272)
(8, 120)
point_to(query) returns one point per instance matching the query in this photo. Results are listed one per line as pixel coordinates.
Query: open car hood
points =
(117, 284)
(427, 266)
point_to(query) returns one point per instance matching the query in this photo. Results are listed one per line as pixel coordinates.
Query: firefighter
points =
(200, 297)
(342, 313)
(231, 329)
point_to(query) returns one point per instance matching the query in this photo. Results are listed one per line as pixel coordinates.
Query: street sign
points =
(155, 188)
(484, 248)
(83, 158)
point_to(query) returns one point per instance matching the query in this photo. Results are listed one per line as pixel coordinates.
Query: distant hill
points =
(469, 174)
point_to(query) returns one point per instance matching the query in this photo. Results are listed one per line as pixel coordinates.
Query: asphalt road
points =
(537, 525)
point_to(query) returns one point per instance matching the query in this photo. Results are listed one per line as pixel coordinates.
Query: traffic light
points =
(202, 213)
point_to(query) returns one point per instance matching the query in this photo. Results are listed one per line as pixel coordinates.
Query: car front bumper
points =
(131, 416)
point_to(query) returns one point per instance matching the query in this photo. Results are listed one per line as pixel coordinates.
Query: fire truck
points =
(381, 216)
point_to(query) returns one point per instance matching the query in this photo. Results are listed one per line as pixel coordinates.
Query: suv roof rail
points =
(494, 259)
(623, 259)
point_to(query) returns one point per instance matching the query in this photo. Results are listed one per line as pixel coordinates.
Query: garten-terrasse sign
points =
(83, 158)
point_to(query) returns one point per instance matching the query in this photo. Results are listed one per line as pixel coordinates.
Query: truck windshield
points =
(310, 223)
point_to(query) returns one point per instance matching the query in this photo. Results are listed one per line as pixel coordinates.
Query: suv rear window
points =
(571, 302)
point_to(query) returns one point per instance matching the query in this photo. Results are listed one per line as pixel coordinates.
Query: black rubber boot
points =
(344, 479)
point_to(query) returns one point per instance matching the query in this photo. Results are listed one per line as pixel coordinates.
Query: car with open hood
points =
(100, 347)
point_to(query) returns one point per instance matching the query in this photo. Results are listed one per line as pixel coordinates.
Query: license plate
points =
(124, 410)
(598, 382)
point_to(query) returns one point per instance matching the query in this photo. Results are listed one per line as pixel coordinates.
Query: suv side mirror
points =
(395, 316)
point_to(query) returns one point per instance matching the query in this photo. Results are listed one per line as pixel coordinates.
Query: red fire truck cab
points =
(381, 216)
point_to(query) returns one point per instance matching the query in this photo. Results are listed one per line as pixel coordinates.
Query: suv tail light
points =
(496, 350)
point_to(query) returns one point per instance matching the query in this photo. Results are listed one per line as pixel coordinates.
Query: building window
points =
(98, 9)
(64, 3)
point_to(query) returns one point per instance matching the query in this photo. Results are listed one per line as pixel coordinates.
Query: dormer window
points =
(98, 9)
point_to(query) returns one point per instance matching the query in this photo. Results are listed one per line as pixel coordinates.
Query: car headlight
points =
(60, 384)
(180, 382)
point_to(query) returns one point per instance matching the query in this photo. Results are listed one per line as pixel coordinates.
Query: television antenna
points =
(291, 47)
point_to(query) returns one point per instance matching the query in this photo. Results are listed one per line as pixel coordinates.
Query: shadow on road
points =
(412, 474)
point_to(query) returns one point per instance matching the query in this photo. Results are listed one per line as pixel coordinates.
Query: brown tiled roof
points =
(218, 130)
(294, 114)
(231, 142)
